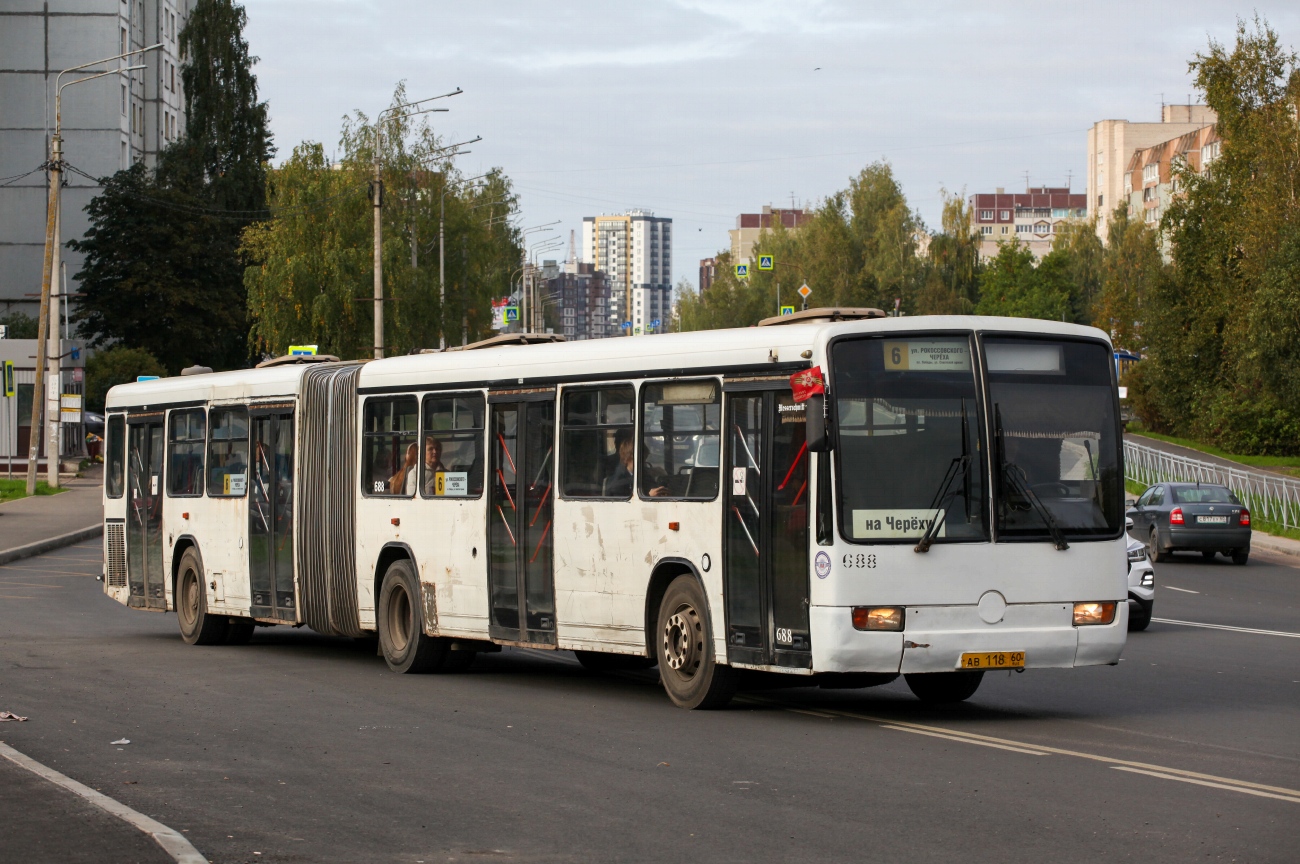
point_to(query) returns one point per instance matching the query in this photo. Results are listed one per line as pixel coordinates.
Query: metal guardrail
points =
(1269, 496)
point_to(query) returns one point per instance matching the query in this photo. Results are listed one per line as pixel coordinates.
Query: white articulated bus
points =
(933, 497)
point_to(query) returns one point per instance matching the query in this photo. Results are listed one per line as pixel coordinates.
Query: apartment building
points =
(1031, 216)
(108, 123)
(1112, 143)
(1150, 182)
(708, 272)
(750, 226)
(581, 297)
(634, 251)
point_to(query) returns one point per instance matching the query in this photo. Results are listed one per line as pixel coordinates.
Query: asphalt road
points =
(302, 748)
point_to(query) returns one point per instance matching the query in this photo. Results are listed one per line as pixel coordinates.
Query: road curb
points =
(171, 841)
(1258, 540)
(17, 553)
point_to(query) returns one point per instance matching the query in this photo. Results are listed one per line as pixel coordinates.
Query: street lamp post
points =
(53, 242)
(396, 112)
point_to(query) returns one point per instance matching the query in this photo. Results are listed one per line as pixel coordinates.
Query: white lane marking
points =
(1292, 799)
(1226, 627)
(966, 740)
(1184, 590)
(172, 842)
(973, 738)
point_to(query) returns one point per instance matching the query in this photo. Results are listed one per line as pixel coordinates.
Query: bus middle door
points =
(766, 530)
(521, 495)
(144, 543)
(270, 513)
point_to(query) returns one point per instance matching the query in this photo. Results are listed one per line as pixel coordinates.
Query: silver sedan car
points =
(1141, 583)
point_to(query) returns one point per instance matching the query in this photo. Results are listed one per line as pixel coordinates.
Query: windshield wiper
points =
(1014, 476)
(959, 466)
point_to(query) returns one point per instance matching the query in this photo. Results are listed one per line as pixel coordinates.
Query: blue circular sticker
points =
(823, 565)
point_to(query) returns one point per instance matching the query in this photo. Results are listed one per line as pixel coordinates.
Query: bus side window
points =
(187, 434)
(681, 437)
(597, 443)
(390, 457)
(115, 456)
(451, 451)
(228, 453)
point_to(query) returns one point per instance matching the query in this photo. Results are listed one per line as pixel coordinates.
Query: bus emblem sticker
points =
(823, 565)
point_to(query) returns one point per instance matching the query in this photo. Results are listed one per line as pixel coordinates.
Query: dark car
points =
(1173, 517)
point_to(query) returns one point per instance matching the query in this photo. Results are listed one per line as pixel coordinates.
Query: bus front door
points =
(766, 531)
(144, 545)
(521, 493)
(270, 515)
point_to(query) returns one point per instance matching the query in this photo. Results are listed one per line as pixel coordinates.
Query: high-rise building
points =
(750, 226)
(580, 296)
(708, 272)
(108, 124)
(1031, 217)
(634, 251)
(1111, 144)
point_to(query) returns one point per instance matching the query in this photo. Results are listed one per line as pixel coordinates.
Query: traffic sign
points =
(626, 324)
(512, 314)
(766, 262)
(139, 378)
(742, 271)
(804, 290)
(9, 388)
(787, 310)
(302, 350)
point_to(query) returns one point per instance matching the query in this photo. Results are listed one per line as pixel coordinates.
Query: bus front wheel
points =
(684, 648)
(405, 646)
(198, 626)
(942, 687)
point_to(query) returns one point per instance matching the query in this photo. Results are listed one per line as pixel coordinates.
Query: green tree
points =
(156, 276)
(1131, 272)
(21, 326)
(162, 268)
(1076, 241)
(952, 264)
(1217, 331)
(1013, 286)
(312, 265)
(119, 365)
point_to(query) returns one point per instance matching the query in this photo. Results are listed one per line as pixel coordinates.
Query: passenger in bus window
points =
(403, 482)
(619, 481)
(432, 465)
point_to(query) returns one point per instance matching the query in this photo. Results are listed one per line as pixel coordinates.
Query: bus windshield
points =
(1052, 406)
(909, 439)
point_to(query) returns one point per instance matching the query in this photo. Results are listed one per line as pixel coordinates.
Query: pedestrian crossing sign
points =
(765, 262)
(512, 314)
(742, 271)
(9, 388)
(787, 310)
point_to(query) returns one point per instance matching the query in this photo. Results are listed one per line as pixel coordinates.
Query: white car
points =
(1141, 584)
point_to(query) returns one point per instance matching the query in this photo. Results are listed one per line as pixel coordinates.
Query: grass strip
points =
(11, 490)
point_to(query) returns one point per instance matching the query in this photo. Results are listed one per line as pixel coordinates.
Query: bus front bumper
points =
(936, 637)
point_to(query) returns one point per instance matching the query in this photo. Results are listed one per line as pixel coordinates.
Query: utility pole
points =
(377, 203)
(50, 270)
(442, 265)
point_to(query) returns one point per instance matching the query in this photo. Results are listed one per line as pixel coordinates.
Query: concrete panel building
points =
(108, 123)
(750, 226)
(1031, 217)
(634, 251)
(1111, 144)
(581, 297)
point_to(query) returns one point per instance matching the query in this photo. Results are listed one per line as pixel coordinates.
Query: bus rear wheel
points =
(937, 688)
(690, 673)
(198, 626)
(405, 646)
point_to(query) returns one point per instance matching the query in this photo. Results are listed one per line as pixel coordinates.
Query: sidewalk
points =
(1179, 450)
(28, 526)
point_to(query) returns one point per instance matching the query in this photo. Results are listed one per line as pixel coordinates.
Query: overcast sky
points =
(703, 109)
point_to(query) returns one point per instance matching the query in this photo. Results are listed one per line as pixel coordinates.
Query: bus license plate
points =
(994, 660)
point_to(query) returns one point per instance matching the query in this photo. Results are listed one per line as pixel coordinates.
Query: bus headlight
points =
(879, 617)
(1094, 613)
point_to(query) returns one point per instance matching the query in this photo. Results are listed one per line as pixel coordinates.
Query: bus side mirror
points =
(818, 436)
